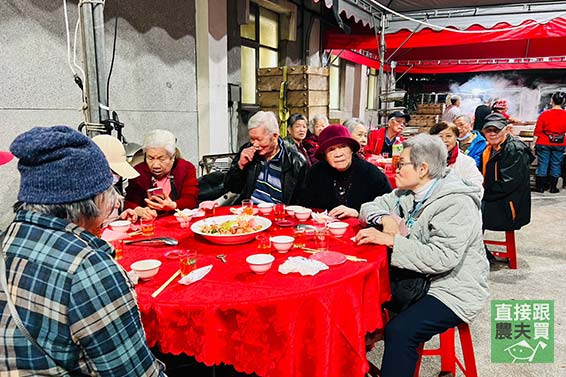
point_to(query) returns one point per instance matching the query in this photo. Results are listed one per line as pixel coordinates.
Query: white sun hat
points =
(115, 153)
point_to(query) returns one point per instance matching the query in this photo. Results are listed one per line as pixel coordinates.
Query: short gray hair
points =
(316, 118)
(266, 119)
(429, 149)
(351, 123)
(466, 118)
(76, 212)
(160, 139)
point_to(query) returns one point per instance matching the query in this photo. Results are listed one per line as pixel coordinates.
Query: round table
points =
(271, 324)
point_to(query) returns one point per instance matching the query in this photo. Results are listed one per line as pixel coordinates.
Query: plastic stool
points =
(510, 249)
(447, 352)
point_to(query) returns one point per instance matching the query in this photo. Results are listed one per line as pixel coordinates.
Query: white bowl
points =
(282, 243)
(291, 210)
(302, 214)
(265, 208)
(121, 226)
(146, 269)
(337, 228)
(260, 263)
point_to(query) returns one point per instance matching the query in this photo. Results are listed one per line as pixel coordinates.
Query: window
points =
(372, 84)
(334, 82)
(260, 48)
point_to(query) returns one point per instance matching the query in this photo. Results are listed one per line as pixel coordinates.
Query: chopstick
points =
(348, 257)
(160, 289)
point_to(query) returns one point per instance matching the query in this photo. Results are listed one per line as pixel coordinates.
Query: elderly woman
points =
(296, 134)
(381, 141)
(359, 132)
(65, 286)
(175, 176)
(465, 166)
(318, 123)
(341, 182)
(432, 224)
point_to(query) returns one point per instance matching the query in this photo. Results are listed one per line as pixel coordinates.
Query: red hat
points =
(333, 135)
(5, 157)
(500, 104)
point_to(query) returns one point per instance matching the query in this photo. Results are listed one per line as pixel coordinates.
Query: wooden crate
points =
(301, 77)
(430, 108)
(295, 98)
(308, 111)
(419, 120)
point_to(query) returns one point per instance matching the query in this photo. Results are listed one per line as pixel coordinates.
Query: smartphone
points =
(156, 191)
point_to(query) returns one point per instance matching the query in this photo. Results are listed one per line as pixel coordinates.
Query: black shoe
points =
(539, 184)
(553, 183)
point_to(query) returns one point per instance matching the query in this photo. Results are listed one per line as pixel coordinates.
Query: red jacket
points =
(184, 187)
(551, 121)
(376, 138)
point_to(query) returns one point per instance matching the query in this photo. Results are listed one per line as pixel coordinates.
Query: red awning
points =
(531, 46)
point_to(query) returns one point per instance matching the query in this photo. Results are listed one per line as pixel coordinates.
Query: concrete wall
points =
(153, 83)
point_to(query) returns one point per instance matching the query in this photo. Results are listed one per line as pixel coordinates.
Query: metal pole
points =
(101, 74)
(91, 85)
(381, 57)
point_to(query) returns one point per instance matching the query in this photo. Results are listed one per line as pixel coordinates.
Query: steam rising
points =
(523, 102)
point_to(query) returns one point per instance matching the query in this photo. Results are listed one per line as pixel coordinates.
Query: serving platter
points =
(229, 239)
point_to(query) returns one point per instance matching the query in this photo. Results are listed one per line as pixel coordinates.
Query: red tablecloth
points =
(272, 324)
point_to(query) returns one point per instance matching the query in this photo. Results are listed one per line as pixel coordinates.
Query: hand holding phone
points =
(156, 191)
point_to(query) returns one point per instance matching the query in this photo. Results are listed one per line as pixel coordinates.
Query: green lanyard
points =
(411, 220)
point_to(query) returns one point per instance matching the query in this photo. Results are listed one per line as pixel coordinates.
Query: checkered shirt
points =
(74, 300)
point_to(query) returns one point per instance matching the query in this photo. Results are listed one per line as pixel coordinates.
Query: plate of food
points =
(230, 229)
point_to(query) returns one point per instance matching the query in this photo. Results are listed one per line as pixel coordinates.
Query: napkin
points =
(195, 275)
(322, 217)
(208, 204)
(197, 212)
(302, 265)
(134, 278)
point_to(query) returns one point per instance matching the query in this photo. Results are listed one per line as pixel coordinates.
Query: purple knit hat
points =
(59, 165)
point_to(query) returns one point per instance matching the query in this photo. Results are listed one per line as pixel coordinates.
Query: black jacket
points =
(293, 172)
(367, 183)
(506, 203)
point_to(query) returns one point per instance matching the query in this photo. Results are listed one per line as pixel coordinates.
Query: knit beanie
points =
(59, 165)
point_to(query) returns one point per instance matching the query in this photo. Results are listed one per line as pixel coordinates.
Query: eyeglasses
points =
(401, 164)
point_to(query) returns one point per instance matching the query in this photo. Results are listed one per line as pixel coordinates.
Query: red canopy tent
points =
(528, 45)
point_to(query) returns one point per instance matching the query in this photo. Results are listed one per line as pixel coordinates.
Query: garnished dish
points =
(239, 225)
(230, 229)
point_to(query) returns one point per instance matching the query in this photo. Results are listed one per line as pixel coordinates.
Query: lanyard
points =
(411, 220)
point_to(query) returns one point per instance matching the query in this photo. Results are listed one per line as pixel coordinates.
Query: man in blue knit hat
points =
(71, 309)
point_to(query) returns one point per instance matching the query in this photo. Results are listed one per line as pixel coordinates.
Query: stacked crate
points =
(427, 115)
(307, 89)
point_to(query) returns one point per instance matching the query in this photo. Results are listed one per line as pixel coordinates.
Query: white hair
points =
(316, 118)
(266, 119)
(351, 124)
(429, 149)
(160, 139)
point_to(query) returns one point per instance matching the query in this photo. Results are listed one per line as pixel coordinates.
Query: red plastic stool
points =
(447, 352)
(510, 249)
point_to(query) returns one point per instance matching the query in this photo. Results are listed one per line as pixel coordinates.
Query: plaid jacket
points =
(73, 299)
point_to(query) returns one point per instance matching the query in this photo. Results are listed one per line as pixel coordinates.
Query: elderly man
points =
(76, 307)
(471, 142)
(162, 169)
(453, 110)
(266, 169)
(381, 141)
(506, 203)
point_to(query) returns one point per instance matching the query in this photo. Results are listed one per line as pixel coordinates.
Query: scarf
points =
(452, 155)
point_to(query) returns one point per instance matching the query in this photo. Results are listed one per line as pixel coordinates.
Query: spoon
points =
(156, 241)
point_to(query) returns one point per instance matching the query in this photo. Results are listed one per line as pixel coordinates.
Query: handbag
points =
(407, 287)
(555, 138)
